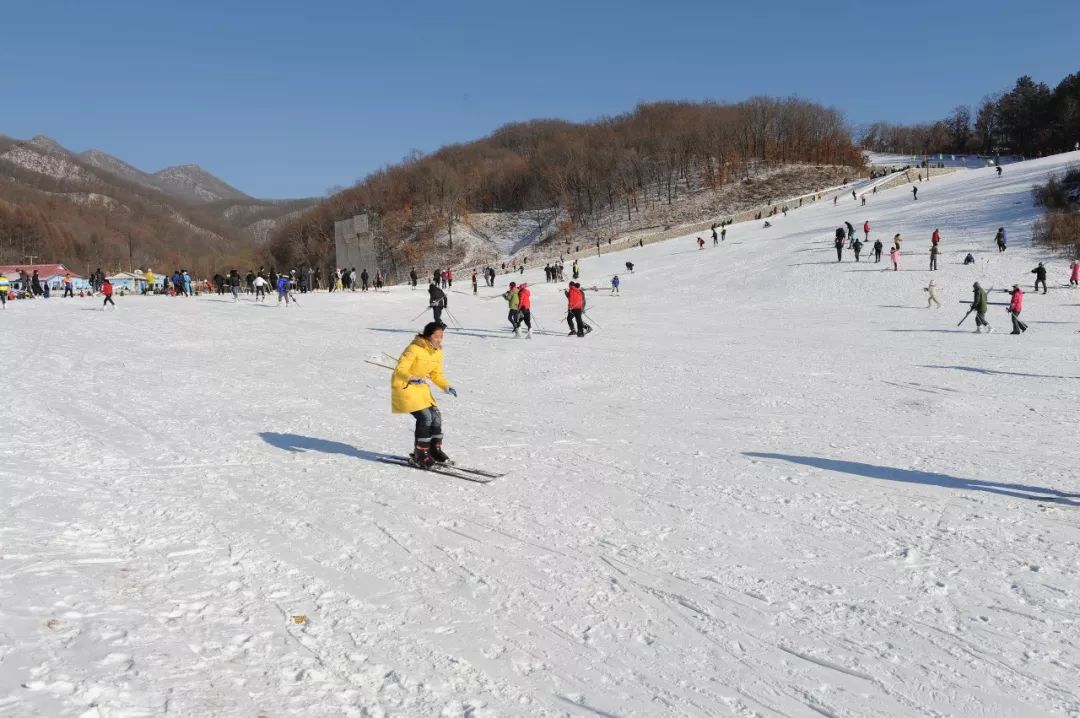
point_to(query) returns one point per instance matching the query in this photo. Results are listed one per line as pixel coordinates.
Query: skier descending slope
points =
(410, 393)
(437, 300)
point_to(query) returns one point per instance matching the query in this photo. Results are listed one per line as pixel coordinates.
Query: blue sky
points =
(291, 99)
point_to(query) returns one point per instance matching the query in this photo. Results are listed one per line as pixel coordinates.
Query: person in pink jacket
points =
(1074, 278)
(1016, 305)
(894, 257)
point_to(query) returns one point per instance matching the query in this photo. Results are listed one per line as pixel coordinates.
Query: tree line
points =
(1029, 120)
(654, 154)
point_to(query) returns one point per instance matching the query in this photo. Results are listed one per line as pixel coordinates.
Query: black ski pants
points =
(525, 317)
(437, 312)
(574, 316)
(1042, 282)
(1018, 326)
(428, 424)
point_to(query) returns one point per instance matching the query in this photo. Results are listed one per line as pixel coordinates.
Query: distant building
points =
(135, 282)
(52, 274)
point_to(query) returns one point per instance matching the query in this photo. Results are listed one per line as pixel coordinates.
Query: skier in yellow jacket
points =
(420, 365)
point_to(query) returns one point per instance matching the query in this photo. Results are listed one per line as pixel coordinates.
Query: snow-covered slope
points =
(766, 484)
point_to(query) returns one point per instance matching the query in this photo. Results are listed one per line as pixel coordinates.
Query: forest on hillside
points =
(655, 153)
(1029, 120)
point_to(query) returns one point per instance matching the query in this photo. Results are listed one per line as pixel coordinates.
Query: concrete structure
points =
(354, 244)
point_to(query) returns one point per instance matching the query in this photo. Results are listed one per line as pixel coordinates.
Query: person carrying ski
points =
(878, 246)
(1040, 277)
(524, 295)
(513, 303)
(575, 306)
(107, 290)
(979, 304)
(931, 295)
(615, 284)
(1000, 239)
(838, 243)
(420, 365)
(1016, 305)
(1074, 276)
(894, 257)
(933, 257)
(437, 300)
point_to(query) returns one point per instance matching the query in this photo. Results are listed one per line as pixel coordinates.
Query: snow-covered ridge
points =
(50, 165)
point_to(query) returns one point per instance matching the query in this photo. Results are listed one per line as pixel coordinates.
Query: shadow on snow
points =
(910, 476)
(296, 444)
(997, 372)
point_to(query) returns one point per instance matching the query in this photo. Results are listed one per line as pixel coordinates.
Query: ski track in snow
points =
(766, 485)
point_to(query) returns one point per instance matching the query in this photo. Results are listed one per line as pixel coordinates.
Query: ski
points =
(468, 474)
(466, 469)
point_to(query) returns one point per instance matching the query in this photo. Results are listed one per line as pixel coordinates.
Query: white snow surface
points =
(767, 484)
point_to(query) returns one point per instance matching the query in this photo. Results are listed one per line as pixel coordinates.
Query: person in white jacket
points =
(931, 295)
(261, 286)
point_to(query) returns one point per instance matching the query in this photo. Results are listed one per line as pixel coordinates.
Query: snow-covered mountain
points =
(194, 184)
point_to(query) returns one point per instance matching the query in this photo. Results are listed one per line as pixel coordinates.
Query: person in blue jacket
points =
(615, 284)
(283, 290)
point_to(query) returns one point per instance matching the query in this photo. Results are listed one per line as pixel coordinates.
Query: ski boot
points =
(437, 454)
(421, 457)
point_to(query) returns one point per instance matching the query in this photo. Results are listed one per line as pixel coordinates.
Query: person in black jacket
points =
(412, 276)
(437, 300)
(839, 243)
(1040, 277)
(878, 246)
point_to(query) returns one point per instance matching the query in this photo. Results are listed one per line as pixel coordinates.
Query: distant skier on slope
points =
(1000, 239)
(715, 236)
(615, 284)
(410, 393)
(857, 246)
(524, 310)
(513, 302)
(931, 295)
(630, 267)
(933, 257)
(979, 304)
(1016, 305)
(850, 235)
(1074, 275)
(894, 257)
(866, 230)
(723, 233)
(1040, 277)
(438, 301)
(575, 306)
(915, 192)
(878, 246)
(700, 243)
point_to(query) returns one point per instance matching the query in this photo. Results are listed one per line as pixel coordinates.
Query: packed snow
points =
(766, 484)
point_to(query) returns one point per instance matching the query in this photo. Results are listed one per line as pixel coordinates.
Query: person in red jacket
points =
(575, 305)
(935, 237)
(525, 308)
(700, 243)
(1016, 305)
(866, 229)
(107, 290)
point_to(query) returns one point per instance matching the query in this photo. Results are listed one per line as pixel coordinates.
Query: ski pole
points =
(591, 320)
(426, 309)
(368, 361)
(457, 324)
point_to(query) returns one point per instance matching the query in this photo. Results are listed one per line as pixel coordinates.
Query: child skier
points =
(615, 284)
(931, 295)
(894, 257)
(107, 290)
(410, 393)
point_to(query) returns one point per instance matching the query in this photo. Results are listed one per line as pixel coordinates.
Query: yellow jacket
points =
(422, 360)
(150, 280)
